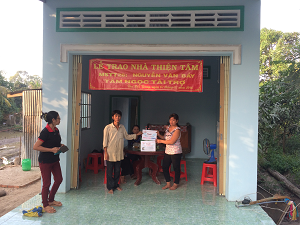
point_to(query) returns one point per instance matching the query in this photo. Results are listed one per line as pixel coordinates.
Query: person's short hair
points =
(48, 116)
(136, 126)
(116, 112)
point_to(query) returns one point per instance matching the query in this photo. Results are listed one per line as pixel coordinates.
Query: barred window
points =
(86, 109)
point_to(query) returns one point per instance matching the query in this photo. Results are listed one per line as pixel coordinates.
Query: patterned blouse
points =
(176, 147)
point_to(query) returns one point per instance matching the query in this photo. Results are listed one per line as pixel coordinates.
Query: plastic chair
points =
(105, 177)
(182, 174)
(95, 165)
(209, 173)
(158, 162)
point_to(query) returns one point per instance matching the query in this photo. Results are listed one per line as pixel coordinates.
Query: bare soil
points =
(270, 184)
(29, 183)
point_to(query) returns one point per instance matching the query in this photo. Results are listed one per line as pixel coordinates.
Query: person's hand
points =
(55, 149)
(158, 141)
(106, 156)
(139, 133)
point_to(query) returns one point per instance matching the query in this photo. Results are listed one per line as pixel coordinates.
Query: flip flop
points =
(55, 203)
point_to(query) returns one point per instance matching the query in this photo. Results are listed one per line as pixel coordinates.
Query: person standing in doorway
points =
(173, 151)
(49, 143)
(113, 145)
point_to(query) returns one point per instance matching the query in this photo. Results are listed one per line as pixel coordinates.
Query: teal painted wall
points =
(243, 103)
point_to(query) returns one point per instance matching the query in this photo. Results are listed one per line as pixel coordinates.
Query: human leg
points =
(126, 169)
(109, 175)
(176, 165)
(57, 176)
(46, 177)
(117, 167)
(166, 164)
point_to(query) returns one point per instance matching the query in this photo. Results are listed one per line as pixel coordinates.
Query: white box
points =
(148, 146)
(149, 135)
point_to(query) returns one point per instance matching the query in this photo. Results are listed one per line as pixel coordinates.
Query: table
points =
(145, 162)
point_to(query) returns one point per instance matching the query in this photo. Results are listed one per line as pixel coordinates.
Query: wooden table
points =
(145, 162)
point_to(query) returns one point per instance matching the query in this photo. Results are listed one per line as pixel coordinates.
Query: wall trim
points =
(65, 49)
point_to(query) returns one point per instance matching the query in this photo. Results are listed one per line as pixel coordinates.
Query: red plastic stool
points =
(182, 174)
(158, 162)
(95, 165)
(105, 177)
(209, 173)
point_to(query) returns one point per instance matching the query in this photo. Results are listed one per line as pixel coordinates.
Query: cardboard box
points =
(148, 146)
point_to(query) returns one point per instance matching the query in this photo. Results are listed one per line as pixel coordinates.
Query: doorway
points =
(130, 108)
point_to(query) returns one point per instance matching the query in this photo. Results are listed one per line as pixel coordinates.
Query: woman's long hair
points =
(48, 116)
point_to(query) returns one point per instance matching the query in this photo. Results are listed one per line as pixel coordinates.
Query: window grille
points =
(86, 20)
(86, 109)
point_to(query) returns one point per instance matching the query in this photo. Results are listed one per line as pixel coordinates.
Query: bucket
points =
(26, 164)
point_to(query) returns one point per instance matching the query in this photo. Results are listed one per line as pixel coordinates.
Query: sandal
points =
(55, 203)
(49, 209)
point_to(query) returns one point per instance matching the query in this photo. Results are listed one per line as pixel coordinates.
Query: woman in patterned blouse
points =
(173, 150)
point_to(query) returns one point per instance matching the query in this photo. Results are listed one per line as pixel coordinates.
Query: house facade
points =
(224, 34)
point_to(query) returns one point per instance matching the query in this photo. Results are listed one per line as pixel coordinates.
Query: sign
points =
(149, 135)
(146, 75)
(148, 146)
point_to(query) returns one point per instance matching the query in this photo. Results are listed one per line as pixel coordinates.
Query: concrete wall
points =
(243, 105)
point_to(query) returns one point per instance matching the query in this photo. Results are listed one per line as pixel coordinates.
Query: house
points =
(224, 34)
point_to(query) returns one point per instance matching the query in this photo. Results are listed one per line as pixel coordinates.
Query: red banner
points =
(146, 75)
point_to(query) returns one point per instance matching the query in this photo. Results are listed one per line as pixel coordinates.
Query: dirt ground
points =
(29, 184)
(270, 184)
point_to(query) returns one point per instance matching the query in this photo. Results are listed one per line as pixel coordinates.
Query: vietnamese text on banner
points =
(146, 75)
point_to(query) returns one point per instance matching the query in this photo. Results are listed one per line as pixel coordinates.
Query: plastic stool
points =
(182, 174)
(95, 165)
(105, 177)
(158, 162)
(209, 173)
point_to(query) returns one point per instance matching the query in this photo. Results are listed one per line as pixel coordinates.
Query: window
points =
(214, 18)
(86, 110)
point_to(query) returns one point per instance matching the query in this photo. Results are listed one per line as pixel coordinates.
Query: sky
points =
(21, 34)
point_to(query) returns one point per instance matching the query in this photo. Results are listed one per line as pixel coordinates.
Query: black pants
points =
(113, 174)
(175, 160)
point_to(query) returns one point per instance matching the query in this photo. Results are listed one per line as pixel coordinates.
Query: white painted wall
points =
(243, 105)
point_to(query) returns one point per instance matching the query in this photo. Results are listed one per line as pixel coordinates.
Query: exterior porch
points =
(147, 203)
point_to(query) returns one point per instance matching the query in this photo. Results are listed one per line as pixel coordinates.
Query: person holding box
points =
(173, 151)
(113, 145)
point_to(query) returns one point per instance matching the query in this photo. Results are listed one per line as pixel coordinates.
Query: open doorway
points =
(130, 108)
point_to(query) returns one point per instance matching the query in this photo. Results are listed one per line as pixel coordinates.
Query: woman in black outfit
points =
(49, 143)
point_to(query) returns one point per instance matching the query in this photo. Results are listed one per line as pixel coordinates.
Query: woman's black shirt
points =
(50, 139)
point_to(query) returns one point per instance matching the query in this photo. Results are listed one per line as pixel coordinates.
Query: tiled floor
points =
(147, 203)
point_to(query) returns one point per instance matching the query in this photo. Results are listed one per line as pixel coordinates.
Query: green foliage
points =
(277, 51)
(275, 159)
(279, 102)
(19, 82)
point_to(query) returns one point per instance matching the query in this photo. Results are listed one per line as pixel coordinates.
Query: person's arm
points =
(131, 136)
(159, 135)
(174, 138)
(38, 146)
(105, 143)
(105, 154)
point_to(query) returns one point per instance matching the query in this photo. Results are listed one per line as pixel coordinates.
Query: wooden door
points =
(77, 74)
